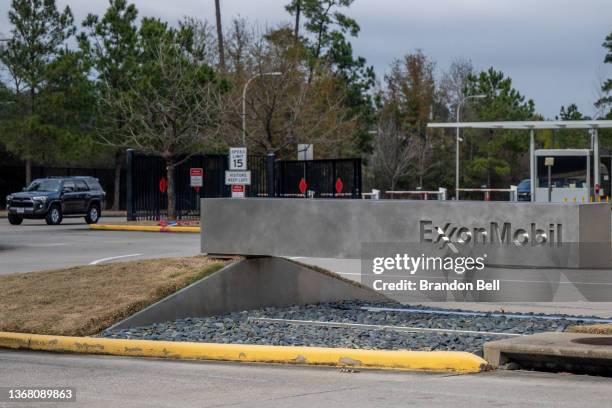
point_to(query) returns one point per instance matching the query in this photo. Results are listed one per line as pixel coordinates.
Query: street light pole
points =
(244, 91)
(458, 140)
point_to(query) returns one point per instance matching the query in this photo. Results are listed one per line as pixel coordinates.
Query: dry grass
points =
(84, 300)
(592, 329)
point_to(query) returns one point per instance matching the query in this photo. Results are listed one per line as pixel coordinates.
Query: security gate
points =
(332, 178)
(147, 182)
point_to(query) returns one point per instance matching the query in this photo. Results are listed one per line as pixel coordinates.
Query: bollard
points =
(131, 211)
(513, 193)
(270, 159)
(442, 195)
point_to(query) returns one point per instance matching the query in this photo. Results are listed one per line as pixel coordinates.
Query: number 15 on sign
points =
(238, 158)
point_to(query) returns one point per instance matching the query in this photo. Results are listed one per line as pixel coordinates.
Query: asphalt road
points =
(126, 382)
(35, 245)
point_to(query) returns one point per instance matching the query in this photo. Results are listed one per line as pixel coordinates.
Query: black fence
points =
(333, 178)
(147, 184)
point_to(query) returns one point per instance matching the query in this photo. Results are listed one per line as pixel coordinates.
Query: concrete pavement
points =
(126, 382)
(35, 245)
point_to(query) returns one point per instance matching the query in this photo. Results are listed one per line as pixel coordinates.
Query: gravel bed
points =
(238, 328)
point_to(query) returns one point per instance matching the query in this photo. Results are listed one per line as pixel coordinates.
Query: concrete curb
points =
(144, 228)
(454, 361)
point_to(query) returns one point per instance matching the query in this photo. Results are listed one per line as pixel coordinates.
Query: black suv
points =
(55, 197)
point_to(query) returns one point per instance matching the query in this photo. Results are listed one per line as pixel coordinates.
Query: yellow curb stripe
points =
(145, 228)
(456, 361)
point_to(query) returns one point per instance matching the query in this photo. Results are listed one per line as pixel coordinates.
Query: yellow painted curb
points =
(145, 228)
(456, 361)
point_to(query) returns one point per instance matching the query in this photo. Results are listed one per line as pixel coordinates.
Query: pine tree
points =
(38, 35)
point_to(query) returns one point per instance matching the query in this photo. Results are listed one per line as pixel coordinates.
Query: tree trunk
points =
(170, 190)
(117, 183)
(296, 29)
(220, 35)
(28, 171)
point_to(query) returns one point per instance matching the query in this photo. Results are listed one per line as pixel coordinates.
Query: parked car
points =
(523, 190)
(54, 198)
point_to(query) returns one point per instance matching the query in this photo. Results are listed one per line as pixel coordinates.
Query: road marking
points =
(375, 326)
(488, 314)
(97, 261)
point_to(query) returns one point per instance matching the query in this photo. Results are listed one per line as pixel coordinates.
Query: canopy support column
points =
(596, 160)
(532, 163)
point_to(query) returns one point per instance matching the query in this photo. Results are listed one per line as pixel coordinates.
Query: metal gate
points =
(330, 178)
(147, 184)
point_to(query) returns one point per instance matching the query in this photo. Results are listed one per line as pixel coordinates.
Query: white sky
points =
(550, 48)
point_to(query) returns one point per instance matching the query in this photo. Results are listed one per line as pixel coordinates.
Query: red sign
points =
(339, 186)
(196, 177)
(237, 188)
(302, 186)
(163, 185)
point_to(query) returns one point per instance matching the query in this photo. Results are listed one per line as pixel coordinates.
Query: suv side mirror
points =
(23, 188)
(67, 190)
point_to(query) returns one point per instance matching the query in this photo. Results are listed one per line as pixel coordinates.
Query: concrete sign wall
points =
(514, 234)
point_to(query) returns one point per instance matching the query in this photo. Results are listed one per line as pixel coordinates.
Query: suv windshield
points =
(44, 185)
(524, 185)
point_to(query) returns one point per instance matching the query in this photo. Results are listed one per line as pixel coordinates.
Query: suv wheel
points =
(15, 219)
(93, 214)
(54, 216)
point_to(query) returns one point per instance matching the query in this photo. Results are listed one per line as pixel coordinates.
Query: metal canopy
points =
(532, 126)
(529, 124)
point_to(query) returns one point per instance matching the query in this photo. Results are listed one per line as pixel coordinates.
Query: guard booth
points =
(573, 175)
(576, 174)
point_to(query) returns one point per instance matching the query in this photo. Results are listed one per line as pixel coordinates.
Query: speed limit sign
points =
(238, 158)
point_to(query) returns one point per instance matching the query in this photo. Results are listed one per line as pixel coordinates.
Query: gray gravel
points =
(237, 328)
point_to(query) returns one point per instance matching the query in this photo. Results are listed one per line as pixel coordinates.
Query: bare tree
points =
(173, 110)
(454, 82)
(410, 99)
(284, 110)
(392, 155)
(238, 41)
(205, 47)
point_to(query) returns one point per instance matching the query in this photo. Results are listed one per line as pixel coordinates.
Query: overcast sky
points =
(550, 48)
